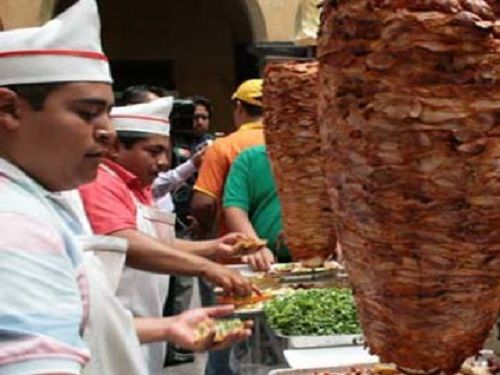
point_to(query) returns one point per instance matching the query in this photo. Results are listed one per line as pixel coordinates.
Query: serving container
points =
(280, 283)
(342, 362)
(297, 371)
(292, 371)
(306, 342)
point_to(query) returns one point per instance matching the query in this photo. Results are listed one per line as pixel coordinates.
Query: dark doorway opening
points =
(246, 63)
(190, 46)
(142, 72)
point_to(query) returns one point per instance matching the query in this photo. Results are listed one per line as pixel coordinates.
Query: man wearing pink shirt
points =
(119, 203)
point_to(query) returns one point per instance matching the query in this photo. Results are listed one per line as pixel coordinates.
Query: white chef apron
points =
(144, 293)
(110, 333)
(111, 252)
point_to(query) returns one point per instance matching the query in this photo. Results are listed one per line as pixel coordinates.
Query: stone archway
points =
(257, 20)
(279, 18)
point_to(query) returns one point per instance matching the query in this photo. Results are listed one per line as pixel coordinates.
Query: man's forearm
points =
(205, 248)
(152, 329)
(204, 209)
(237, 220)
(169, 181)
(148, 254)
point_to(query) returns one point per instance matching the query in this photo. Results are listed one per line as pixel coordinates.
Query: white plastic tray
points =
(329, 357)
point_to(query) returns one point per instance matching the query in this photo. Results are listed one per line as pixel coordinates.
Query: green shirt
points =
(250, 186)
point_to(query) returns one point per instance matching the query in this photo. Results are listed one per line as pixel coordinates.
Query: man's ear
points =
(238, 104)
(9, 109)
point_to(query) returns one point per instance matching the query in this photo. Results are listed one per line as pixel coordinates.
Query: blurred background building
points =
(202, 47)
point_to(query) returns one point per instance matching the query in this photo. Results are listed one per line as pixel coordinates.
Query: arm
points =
(181, 329)
(237, 203)
(237, 220)
(111, 211)
(208, 190)
(207, 248)
(222, 247)
(148, 254)
(204, 209)
(169, 181)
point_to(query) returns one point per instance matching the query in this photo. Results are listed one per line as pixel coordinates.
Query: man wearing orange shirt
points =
(206, 205)
(209, 187)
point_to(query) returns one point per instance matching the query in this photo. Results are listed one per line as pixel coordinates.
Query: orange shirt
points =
(218, 159)
(221, 154)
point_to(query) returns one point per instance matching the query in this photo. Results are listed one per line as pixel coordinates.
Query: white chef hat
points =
(65, 49)
(148, 118)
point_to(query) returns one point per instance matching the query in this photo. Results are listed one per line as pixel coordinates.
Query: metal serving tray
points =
(315, 278)
(313, 275)
(244, 269)
(478, 361)
(308, 342)
(331, 278)
(290, 371)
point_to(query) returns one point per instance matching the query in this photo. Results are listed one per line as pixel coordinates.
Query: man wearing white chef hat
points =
(55, 96)
(119, 203)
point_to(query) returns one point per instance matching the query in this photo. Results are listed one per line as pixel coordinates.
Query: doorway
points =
(195, 47)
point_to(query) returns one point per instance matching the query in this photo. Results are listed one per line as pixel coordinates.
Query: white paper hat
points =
(65, 49)
(150, 118)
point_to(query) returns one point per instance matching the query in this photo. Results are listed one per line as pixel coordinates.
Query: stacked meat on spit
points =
(294, 147)
(410, 115)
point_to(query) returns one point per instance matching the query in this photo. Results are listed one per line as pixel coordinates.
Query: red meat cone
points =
(294, 147)
(410, 123)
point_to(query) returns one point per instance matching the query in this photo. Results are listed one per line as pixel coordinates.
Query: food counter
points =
(275, 346)
(486, 363)
(272, 350)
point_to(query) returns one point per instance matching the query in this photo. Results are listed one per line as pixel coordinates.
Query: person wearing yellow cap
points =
(209, 187)
(206, 205)
(249, 92)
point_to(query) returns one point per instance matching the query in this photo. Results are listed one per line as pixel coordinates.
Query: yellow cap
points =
(250, 92)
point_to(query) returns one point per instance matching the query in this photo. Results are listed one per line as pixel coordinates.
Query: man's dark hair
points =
(252, 110)
(129, 138)
(201, 100)
(137, 94)
(35, 94)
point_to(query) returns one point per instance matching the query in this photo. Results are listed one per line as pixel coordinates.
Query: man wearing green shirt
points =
(251, 205)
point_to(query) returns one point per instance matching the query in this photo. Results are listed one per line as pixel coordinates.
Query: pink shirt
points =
(108, 199)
